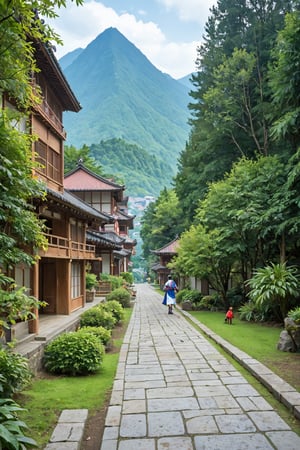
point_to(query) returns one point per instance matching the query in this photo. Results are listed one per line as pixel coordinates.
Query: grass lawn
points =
(257, 340)
(48, 395)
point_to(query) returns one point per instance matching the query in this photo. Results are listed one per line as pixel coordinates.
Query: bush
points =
(97, 317)
(116, 282)
(75, 353)
(207, 302)
(15, 372)
(90, 281)
(121, 295)
(101, 333)
(193, 296)
(11, 428)
(252, 312)
(127, 276)
(294, 314)
(115, 308)
(180, 296)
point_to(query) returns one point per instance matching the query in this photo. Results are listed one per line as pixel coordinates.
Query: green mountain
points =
(124, 96)
(143, 174)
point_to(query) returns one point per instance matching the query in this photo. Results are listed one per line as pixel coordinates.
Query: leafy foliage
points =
(75, 353)
(160, 223)
(275, 285)
(295, 314)
(115, 308)
(15, 372)
(145, 174)
(103, 334)
(12, 429)
(120, 295)
(96, 317)
(72, 156)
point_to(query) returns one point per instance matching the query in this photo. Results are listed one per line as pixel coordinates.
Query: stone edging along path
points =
(281, 390)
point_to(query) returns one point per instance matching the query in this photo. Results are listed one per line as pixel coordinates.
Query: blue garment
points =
(170, 288)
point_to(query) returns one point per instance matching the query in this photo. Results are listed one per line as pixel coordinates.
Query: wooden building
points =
(58, 277)
(114, 247)
(165, 254)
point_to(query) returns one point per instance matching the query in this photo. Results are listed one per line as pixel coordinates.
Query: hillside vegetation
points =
(124, 96)
(143, 174)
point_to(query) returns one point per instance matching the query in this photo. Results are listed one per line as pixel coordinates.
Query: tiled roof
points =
(108, 239)
(122, 253)
(158, 267)
(170, 248)
(72, 201)
(82, 179)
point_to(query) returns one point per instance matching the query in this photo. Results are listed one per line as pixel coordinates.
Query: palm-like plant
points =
(276, 284)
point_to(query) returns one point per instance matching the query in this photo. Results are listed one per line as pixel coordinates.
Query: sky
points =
(167, 32)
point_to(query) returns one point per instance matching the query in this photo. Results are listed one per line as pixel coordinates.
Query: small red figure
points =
(229, 316)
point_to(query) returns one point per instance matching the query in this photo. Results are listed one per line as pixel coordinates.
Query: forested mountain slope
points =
(143, 174)
(124, 96)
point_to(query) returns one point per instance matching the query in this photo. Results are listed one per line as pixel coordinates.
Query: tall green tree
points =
(231, 99)
(72, 156)
(160, 223)
(284, 81)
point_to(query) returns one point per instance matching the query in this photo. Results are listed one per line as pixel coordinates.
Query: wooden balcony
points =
(60, 247)
(47, 113)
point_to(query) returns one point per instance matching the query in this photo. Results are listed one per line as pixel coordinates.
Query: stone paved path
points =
(174, 390)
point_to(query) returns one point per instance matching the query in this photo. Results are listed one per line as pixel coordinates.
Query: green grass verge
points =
(257, 340)
(47, 397)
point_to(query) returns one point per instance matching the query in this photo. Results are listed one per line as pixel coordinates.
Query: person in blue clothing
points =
(170, 289)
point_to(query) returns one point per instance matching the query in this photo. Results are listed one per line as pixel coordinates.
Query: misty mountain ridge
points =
(124, 96)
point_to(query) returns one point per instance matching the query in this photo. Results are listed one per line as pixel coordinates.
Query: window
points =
(49, 160)
(76, 280)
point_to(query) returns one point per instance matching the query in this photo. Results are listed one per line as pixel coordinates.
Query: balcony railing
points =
(60, 247)
(47, 113)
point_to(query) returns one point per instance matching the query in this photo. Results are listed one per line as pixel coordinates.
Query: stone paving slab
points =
(174, 390)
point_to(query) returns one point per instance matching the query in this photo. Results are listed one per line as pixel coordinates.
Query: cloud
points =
(79, 25)
(190, 10)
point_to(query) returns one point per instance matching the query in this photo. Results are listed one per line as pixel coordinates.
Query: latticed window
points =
(49, 161)
(76, 280)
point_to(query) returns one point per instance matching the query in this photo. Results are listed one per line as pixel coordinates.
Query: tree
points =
(201, 254)
(285, 81)
(160, 223)
(231, 100)
(72, 156)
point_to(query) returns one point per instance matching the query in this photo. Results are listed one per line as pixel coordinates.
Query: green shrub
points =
(127, 276)
(251, 312)
(74, 353)
(115, 308)
(97, 317)
(294, 314)
(180, 296)
(115, 281)
(101, 333)
(193, 296)
(121, 295)
(15, 372)
(11, 428)
(90, 281)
